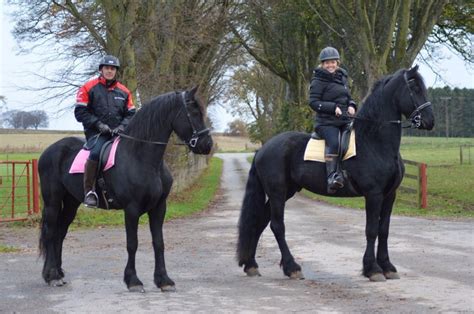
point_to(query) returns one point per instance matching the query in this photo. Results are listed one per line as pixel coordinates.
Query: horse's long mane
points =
(374, 105)
(154, 117)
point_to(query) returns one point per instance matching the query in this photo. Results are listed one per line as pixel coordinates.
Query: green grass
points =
(187, 202)
(8, 249)
(450, 184)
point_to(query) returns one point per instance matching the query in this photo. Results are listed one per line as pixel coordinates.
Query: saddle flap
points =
(107, 157)
(315, 149)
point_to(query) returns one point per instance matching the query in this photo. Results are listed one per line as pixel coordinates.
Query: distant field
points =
(234, 144)
(450, 185)
(37, 141)
(31, 141)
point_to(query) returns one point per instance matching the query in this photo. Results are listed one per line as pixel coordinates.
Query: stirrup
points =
(96, 201)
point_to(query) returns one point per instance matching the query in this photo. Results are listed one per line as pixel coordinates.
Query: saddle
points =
(106, 161)
(316, 146)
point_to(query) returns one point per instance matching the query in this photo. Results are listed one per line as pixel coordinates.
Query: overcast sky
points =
(15, 73)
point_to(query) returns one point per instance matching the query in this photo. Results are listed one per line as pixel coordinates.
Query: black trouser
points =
(331, 136)
(95, 145)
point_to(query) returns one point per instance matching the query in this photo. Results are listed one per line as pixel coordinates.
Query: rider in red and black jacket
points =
(105, 107)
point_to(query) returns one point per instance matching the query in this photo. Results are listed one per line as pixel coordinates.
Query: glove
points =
(353, 104)
(103, 128)
(118, 130)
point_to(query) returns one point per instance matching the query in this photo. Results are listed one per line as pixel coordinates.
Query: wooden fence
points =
(465, 157)
(417, 179)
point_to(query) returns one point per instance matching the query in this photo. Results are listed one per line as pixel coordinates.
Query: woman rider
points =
(330, 98)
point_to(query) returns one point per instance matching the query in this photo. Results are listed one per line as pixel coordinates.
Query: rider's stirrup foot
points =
(91, 199)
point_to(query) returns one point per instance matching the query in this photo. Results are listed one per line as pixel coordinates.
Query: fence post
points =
(36, 207)
(422, 197)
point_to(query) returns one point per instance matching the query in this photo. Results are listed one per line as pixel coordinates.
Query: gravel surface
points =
(434, 258)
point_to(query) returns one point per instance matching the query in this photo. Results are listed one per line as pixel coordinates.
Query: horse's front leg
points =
(373, 205)
(130, 275)
(290, 267)
(389, 271)
(157, 216)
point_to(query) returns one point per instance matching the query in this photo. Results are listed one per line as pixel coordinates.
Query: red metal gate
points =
(19, 190)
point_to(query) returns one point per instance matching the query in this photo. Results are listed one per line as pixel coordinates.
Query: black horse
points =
(140, 181)
(278, 172)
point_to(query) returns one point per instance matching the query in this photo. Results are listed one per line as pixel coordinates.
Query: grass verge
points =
(8, 249)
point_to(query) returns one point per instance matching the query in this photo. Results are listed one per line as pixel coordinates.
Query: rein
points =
(194, 137)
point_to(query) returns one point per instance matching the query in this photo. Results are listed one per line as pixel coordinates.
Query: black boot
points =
(335, 179)
(90, 171)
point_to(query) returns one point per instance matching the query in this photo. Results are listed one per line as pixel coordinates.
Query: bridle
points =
(415, 117)
(194, 137)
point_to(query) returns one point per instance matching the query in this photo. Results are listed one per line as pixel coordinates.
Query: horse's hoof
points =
(139, 289)
(391, 275)
(168, 288)
(57, 283)
(377, 277)
(297, 275)
(253, 272)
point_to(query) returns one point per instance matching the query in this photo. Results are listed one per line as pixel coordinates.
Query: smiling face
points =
(330, 65)
(108, 72)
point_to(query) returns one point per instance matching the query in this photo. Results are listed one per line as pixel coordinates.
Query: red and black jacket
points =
(97, 100)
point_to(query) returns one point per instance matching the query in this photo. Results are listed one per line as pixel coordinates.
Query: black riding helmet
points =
(109, 60)
(329, 53)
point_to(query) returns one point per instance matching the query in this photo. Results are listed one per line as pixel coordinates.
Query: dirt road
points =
(434, 257)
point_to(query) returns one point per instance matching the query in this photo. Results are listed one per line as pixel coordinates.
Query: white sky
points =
(15, 72)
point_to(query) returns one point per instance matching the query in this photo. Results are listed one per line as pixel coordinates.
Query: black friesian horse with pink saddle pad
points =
(278, 171)
(140, 181)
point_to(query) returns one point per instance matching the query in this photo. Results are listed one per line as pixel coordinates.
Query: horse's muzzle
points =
(203, 146)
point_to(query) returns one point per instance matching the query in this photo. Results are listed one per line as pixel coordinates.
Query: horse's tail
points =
(42, 164)
(252, 211)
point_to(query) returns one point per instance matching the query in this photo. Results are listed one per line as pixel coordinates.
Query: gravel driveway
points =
(434, 257)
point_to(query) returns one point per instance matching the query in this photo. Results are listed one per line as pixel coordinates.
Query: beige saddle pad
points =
(315, 149)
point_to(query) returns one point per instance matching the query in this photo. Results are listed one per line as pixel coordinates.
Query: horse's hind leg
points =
(389, 271)
(66, 217)
(49, 237)
(290, 267)
(251, 267)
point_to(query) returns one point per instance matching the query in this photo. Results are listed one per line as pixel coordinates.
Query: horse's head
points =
(190, 125)
(412, 99)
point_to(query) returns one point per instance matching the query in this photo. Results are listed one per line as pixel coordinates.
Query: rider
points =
(330, 98)
(104, 106)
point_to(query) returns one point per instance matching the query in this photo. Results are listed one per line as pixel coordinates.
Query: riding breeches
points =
(95, 144)
(331, 136)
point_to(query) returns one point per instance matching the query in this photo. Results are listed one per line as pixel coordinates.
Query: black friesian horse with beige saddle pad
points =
(140, 181)
(278, 171)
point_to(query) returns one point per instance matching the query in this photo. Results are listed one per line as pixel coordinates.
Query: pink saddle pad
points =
(80, 161)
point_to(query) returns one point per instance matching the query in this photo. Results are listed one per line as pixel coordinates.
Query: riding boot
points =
(90, 171)
(335, 179)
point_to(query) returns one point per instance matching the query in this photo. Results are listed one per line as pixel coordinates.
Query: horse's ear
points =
(413, 70)
(193, 91)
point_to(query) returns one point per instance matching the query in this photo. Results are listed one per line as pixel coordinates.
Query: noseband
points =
(415, 116)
